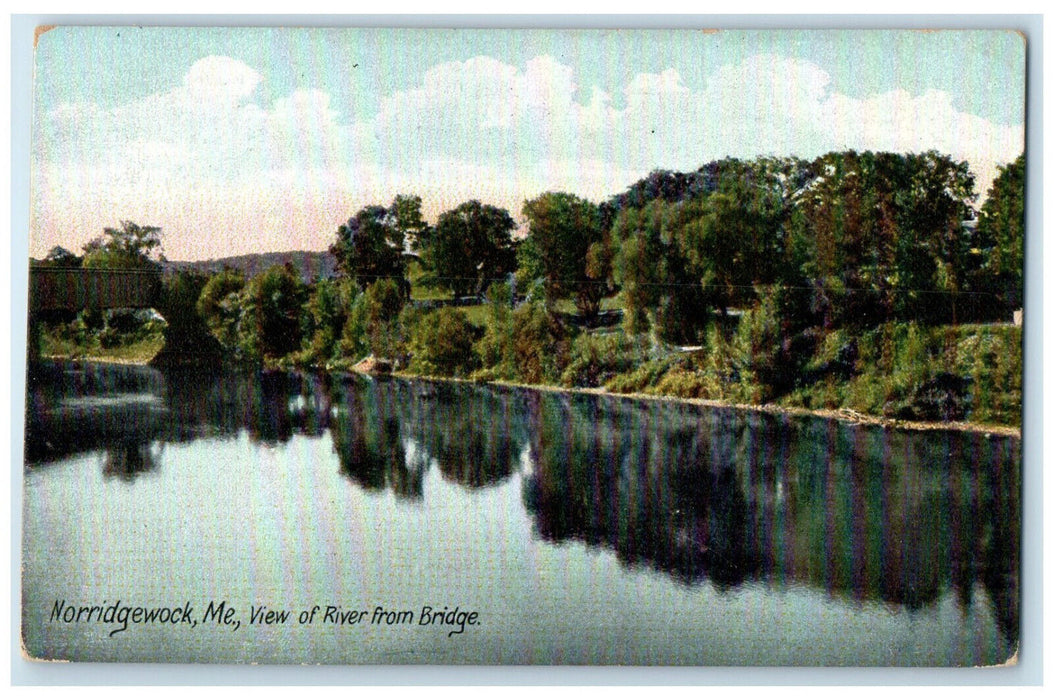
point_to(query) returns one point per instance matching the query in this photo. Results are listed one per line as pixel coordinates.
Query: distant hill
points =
(309, 264)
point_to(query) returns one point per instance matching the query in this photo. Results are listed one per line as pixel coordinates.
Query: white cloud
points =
(206, 156)
(220, 78)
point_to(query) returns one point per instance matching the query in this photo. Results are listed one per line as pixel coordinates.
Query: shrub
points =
(641, 378)
(441, 343)
(495, 348)
(540, 344)
(373, 322)
(597, 359)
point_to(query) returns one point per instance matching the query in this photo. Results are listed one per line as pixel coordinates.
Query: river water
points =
(521, 526)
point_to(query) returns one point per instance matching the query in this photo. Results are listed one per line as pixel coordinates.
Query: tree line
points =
(799, 249)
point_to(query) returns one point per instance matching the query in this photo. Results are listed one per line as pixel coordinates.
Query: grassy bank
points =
(900, 372)
(962, 377)
(135, 350)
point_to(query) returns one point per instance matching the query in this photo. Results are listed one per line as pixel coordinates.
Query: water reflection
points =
(128, 460)
(862, 513)
(369, 443)
(385, 433)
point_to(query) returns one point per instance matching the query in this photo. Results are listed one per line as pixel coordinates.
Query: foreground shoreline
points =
(844, 415)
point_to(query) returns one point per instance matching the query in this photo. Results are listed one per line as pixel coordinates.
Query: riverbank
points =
(846, 415)
(140, 352)
(843, 415)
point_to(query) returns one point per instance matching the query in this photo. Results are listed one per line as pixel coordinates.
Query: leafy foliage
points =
(373, 321)
(540, 344)
(269, 327)
(563, 228)
(127, 248)
(469, 247)
(370, 246)
(322, 324)
(998, 251)
(442, 344)
(884, 236)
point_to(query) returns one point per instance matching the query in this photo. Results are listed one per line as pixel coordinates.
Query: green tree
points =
(442, 343)
(640, 262)
(563, 228)
(540, 345)
(932, 246)
(659, 292)
(272, 303)
(324, 317)
(405, 212)
(883, 236)
(732, 237)
(998, 248)
(370, 246)
(130, 247)
(469, 247)
(373, 323)
(495, 349)
(218, 306)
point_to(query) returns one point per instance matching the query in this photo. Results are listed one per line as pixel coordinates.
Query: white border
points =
(1030, 666)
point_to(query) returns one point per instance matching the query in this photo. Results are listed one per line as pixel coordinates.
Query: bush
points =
(991, 356)
(641, 378)
(495, 348)
(216, 305)
(540, 344)
(272, 304)
(441, 344)
(595, 359)
(373, 322)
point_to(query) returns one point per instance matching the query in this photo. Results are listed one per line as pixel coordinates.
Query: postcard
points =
(525, 347)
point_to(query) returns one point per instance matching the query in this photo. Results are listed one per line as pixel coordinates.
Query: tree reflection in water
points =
(734, 497)
(368, 442)
(389, 432)
(128, 460)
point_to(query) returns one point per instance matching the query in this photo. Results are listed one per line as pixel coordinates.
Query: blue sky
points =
(246, 140)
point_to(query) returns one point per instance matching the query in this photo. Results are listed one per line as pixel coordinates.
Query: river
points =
(520, 526)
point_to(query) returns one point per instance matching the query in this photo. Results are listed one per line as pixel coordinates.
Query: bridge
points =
(57, 289)
(74, 289)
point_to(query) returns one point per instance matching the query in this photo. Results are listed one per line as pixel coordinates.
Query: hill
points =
(309, 264)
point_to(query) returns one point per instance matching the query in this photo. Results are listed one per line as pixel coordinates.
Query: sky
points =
(247, 140)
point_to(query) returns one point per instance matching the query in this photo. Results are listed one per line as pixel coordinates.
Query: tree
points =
(370, 246)
(540, 345)
(883, 236)
(325, 315)
(270, 321)
(470, 247)
(406, 213)
(998, 247)
(563, 227)
(61, 258)
(373, 323)
(658, 290)
(932, 246)
(639, 263)
(130, 247)
(495, 347)
(218, 308)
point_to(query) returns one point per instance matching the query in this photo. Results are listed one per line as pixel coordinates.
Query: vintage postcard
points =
(478, 346)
